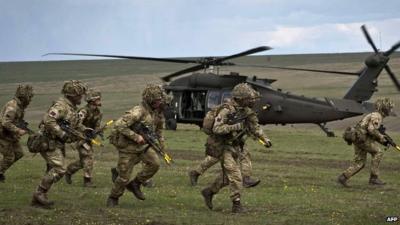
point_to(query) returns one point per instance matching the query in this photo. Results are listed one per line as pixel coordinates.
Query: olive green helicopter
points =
(195, 94)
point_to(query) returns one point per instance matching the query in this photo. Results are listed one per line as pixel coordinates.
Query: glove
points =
(268, 143)
(65, 138)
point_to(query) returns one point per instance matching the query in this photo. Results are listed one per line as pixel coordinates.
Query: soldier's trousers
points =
(84, 162)
(231, 175)
(360, 158)
(11, 152)
(245, 163)
(56, 160)
(126, 162)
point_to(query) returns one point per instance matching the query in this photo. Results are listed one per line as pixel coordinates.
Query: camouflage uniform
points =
(130, 151)
(209, 161)
(367, 137)
(90, 116)
(62, 109)
(226, 139)
(10, 116)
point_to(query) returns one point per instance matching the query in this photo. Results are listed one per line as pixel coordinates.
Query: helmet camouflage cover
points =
(24, 91)
(154, 92)
(74, 88)
(92, 95)
(384, 105)
(244, 91)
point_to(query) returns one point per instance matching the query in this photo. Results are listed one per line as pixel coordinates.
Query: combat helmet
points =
(24, 91)
(384, 106)
(153, 92)
(243, 91)
(74, 88)
(92, 95)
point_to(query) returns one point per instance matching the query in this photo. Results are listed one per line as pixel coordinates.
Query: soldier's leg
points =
(377, 155)
(231, 175)
(246, 167)
(8, 158)
(126, 161)
(151, 164)
(58, 168)
(87, 161)
(207, 162)
(72, 168)
(360, 157)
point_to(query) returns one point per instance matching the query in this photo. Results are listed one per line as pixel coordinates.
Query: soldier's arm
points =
(9, 119)
(159, 127)
(123, 124)
(98, 122)
(373, 126)
(82, 114)
(254, 128)
(55, 113)
(220, 124)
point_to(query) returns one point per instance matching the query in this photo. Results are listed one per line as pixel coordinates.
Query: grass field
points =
(298, 175)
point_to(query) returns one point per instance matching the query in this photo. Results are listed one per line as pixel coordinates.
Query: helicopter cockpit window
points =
(214, 98)
(226, 97)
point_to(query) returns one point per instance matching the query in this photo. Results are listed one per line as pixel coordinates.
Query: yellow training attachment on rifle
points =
(167, 158)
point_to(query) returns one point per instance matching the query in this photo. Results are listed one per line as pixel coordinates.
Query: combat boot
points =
(148, 183)
(111, 201)
(248, 182)
(87, 182)
(342, 179)
(208, 195)
(114, 174)
(374, 180)
(40, 199)
(134, 187)
(68, 178)
(193, 176)
(2, 178)
(237, 207)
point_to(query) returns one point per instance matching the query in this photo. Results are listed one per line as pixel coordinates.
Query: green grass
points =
(298, 175)
(298, 187)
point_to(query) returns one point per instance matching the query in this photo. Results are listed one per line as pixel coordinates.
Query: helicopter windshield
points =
(214, 99)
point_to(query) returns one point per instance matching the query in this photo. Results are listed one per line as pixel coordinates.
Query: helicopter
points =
(195, 94)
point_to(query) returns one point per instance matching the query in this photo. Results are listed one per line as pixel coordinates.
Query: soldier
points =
(11, 116)
(90, 116)
(229, 139)
(131, 146)
(367, 134)
(64, 109)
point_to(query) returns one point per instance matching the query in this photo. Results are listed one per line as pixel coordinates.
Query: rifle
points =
(100, 131)
(152, 139)
(238, 117)
(389, 139)
(66, 126)
(22, 124)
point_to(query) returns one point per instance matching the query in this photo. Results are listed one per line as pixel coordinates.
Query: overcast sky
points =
(180, 28)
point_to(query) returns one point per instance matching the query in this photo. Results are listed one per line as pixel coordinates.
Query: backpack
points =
(38, 142)
(208, 121)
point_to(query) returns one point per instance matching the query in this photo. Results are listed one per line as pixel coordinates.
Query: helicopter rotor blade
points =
(216, 61)
(393, 77)
(392, 49)
(244, 53)
(187, 70)
(129, 57)
(368, 37)
(301, 69)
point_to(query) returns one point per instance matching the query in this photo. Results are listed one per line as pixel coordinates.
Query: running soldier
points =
(367, 135)
(11, 119)
(64, 109)
(227, 141)
(131, 146)
(90, 116)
